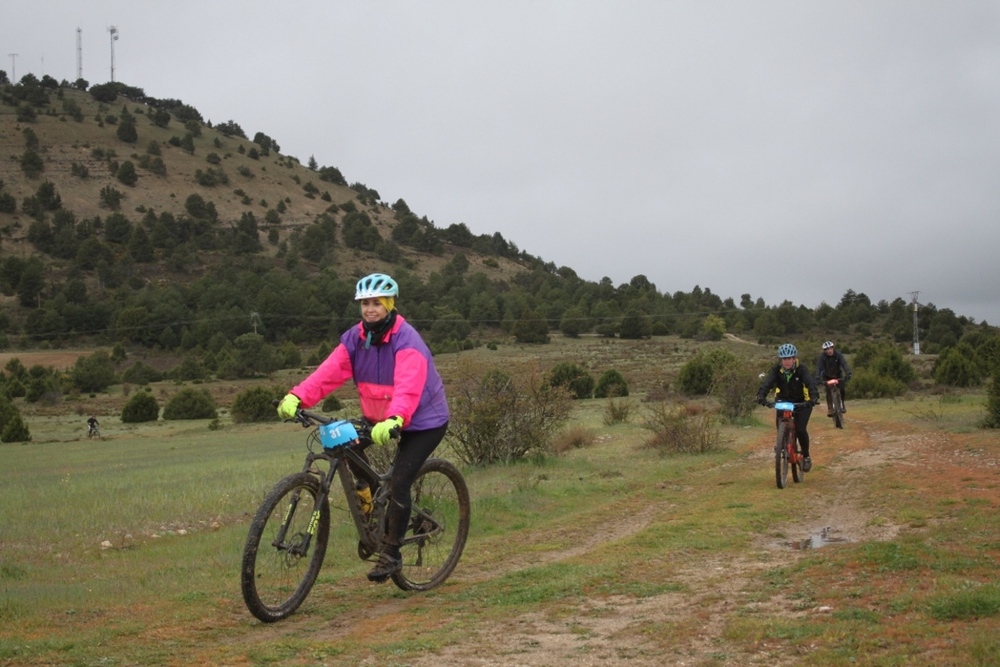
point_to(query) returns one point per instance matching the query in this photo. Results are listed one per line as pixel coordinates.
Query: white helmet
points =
(827, 345)
(376, 285)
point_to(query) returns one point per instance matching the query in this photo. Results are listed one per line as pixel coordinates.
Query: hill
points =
(128, 219)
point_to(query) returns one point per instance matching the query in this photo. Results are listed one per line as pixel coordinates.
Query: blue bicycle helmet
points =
(376, 285)
(787, 350)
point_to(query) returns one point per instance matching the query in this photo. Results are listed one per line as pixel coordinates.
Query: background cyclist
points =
(93, 425)
(792, 382)
(831, 364)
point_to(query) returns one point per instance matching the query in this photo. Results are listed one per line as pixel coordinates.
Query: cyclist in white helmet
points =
(792, 382)
(831, 364)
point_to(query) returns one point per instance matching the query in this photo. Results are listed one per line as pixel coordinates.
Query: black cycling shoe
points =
(807, 464)
(843, 410)
(388, 564)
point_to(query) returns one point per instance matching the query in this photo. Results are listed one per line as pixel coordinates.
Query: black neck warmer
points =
(376, 331)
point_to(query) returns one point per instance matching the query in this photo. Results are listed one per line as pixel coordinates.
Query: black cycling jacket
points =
(796, 385)
(831, 366)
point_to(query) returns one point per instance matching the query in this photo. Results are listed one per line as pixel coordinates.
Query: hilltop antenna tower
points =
(79, 53)
(113, 30)
(13, 67)
(916, 330)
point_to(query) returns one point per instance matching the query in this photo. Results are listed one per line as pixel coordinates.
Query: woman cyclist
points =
(792, 382)
(399, 388)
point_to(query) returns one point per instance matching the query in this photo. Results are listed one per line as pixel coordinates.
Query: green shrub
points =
(140, 408)
(95, 372)
(617, 411)
(504, 415)
(870, 384)
(191, 403)
(611, 384)
(956, 367)
(140, 373)
(12, 427)
(992, 418)
(734, 385)
(331, 404)
(255, 405)
(695, 378)
(573, 377)
(678, 429)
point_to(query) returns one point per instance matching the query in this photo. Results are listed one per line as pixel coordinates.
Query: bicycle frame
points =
(345, 462)
(786, 450)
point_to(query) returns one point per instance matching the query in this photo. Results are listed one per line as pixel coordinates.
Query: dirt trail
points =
(612, 630)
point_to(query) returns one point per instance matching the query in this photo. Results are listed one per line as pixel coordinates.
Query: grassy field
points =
(126, 551)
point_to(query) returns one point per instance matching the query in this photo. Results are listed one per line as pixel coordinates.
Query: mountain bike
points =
(787, 453)
(289, 535)
(834, 401)
(94, 432)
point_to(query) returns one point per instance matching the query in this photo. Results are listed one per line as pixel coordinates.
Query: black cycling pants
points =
(801, 422)
(415, 447)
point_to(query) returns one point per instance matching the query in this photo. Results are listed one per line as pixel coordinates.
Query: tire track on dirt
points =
(614, 629)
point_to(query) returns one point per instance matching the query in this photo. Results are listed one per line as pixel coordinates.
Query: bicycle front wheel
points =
(438, 527)
(280, 560)
(781, 457)
(838, 410)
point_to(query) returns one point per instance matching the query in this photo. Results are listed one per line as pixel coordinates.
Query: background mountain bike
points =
(94, 432)
(787, 453)
(288, 536)
(834, 402)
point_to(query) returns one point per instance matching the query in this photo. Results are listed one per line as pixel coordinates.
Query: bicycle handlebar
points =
(770, 405)
(308, 419)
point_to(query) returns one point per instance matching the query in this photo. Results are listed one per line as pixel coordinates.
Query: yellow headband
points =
(387, 302)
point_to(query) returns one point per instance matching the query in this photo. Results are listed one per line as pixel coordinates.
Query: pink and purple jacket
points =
(396, 377)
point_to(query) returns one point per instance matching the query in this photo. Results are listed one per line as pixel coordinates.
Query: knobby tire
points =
(274, 580)
(838, 409)
(781, 457)
(438, 527)
(798, 473)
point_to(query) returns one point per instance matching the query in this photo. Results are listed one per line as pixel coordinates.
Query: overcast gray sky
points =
(746, 147)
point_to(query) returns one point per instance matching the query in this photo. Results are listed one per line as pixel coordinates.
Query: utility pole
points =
(79, 54)
(13, 67)
(916, 330)
(113, 30)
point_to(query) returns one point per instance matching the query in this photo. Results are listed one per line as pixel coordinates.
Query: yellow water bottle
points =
(364, 497)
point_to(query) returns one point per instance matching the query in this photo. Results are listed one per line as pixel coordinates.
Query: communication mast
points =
(916, 330)
(79, 53)
(113, 30)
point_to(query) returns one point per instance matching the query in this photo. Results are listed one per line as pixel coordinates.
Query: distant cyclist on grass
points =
(93, 425)
(832, 365)
(792, 382)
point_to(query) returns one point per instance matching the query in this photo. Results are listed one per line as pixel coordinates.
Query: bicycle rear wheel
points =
(277, 571)
(798, 472)
(781, 457)
(438, 527)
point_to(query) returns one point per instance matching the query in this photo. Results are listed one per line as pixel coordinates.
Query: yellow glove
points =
(289, 404)
(382, 431)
